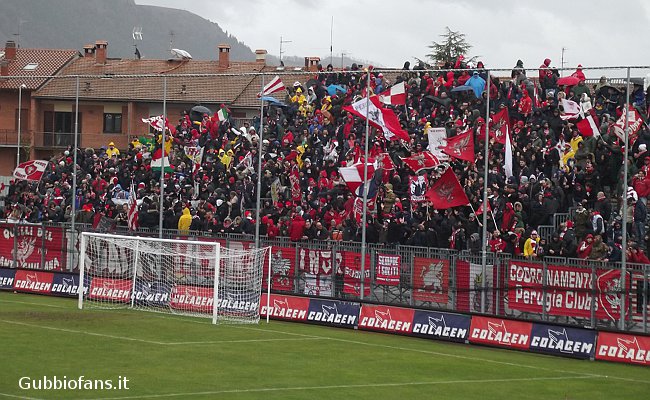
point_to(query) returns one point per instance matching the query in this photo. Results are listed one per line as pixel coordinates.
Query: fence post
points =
(544, 285)
(43, 244)
(15, 258)
(594, 295)
(646, 276)
(496, 289)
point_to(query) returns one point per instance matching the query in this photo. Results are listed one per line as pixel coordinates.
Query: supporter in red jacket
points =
(584, 248)
(296, 228)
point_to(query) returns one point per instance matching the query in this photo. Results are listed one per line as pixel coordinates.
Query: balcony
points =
(9, 138)
(53, 140)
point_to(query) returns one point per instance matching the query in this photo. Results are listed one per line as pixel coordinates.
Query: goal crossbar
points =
(186, 277)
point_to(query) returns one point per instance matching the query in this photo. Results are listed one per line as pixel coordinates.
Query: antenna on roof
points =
(137, 35)
(171, 39)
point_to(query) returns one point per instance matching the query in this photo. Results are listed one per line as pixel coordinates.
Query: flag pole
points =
(162, 169)
(259, 172)
(624, 225)
(365, 190)
(485, 197)
(474, 211)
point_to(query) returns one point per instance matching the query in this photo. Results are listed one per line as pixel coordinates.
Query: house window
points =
(112, 123)
(58, 128)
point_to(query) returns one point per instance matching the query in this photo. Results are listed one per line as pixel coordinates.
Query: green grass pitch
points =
(169, 357)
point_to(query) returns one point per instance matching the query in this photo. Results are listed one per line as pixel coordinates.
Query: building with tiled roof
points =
(116, 94)
(23, 71)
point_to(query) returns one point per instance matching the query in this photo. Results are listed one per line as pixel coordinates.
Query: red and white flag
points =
(274, 86)
(396, 95)
(31, 170)
(588, 126)
(447, 192)
(461, 146)
(156, 122)
(353, 177)
(500, 125)
(421, 161)
(382, 160)
(132, 216)
(572, 109)
(635, 122)
(479, 210)
(380, 118)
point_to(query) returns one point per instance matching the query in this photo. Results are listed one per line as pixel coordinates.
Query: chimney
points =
(10, 50)
(101, 51)
(224, 55)
(260, 56)
(89, 50)
(4, 68)
(311, 63)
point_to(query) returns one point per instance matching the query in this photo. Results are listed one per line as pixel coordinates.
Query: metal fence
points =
(570, 291)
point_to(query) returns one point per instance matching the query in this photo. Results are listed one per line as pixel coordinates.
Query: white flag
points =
(508, 160)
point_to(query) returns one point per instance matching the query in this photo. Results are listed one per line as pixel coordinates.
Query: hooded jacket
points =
(185, 221)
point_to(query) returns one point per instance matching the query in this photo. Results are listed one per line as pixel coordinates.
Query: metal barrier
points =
(571, 291)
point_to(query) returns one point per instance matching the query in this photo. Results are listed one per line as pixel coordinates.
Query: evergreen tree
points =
(452, 45)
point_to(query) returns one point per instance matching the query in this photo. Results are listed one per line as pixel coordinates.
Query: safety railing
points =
(577, 292)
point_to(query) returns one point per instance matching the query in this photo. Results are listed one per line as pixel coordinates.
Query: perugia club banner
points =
(318, 267)
(387, 269)
(430, 280)
(351, 269)
(569, 290)
(34, 245)
(283, 268)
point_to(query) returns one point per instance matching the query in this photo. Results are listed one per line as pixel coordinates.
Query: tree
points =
(448, 49)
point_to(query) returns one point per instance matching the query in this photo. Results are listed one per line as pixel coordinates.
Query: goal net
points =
(194, 278)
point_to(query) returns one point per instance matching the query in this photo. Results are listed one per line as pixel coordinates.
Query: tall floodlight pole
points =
(259, 173)
(365, 190)
(20, 109)
(74, 163)
(485, 196)
(624, 194)
(162, 161)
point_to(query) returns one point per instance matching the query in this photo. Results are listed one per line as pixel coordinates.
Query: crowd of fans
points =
(309, 136)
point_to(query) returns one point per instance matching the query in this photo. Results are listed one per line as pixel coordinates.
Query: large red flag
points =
(500, 125)
(380, 118)
(447, 192)
(461, 146)
(421, 161)
(588, 126)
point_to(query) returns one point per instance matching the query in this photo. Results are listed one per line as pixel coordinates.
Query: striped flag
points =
(396, 95)
(132, 219)
(353, 177)
(274, 86)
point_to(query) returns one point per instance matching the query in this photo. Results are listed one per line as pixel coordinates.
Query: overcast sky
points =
(594, 33)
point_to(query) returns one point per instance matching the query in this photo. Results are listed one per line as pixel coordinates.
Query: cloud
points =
(594, 33)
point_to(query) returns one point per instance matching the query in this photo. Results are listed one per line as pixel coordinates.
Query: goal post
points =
(198, 278)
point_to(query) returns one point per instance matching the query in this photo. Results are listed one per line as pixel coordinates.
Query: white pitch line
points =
(158, 342)
(354, 386)
(248, 341)
(13, 396)
(52, 328)
(33, 304)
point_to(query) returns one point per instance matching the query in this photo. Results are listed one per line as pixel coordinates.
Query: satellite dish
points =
(181, 54)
